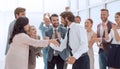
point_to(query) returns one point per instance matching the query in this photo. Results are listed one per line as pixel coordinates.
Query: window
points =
(95, 16)
(8, 5)
(91, 2)
(32, 6)
(82, 4)
(83, 15)
(54, 6)
(73, 5)
(113, 8)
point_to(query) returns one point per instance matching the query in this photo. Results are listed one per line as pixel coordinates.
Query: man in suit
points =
(57, 32)
(18, 12)
(103, 46)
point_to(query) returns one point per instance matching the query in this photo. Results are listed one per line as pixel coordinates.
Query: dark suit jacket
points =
(104, 43)
(51, 51)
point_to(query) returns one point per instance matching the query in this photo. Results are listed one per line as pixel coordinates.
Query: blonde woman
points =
(33, 51)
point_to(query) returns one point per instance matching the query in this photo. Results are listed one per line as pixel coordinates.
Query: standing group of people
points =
(63, 43)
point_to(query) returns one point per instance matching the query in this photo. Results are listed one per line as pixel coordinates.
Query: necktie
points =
(68, 46)
(55, 52)
(55, 33)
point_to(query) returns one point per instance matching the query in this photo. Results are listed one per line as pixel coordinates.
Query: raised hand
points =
(53, 36)
(114, 26)
(59, 36)
(54, 42)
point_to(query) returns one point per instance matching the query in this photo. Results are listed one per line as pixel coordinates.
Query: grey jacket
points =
(10, 30)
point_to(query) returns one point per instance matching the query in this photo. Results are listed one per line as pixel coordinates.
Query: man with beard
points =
(58, 33)
(76, 42)
(103, 45)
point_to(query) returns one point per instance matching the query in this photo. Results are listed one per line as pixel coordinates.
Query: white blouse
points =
(111, 35)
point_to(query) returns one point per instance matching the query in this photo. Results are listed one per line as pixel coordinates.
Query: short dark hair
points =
(105, 10)
(78, 17)
(69, 15)
(53, 15)
(18, 10)
(19, 27)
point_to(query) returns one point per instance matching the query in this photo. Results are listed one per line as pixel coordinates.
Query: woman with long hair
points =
(91, 40)
(17, 56)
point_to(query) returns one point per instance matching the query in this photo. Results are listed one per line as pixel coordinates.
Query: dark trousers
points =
(102, 59)
(82, 63)
(65, 65)
(56, 60)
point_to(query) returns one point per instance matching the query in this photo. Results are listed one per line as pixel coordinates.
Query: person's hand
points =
(59, 36)
(71, 60)
(54, 42)
(114, 27)
(53, 36)
(99, 44)
(46, 38)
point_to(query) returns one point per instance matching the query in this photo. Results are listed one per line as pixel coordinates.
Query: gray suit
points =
(62, 55)
(10, 30)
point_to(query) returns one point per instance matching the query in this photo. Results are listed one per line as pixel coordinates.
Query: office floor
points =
(40, 64)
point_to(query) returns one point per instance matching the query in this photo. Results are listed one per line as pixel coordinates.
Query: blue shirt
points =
(44, 28)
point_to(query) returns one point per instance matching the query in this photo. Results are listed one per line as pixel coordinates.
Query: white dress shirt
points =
(111, 35)
(77, 40)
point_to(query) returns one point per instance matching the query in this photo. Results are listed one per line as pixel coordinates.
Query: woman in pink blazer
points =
(17, 56)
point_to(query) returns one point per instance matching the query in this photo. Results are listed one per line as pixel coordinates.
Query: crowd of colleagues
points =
(64, 42)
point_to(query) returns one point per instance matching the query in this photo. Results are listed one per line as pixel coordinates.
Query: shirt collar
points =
(55, 28)
(71, 25)
(106, 22)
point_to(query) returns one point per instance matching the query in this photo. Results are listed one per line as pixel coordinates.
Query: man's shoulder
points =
(62, 28)
(12, 22)
(50, 30)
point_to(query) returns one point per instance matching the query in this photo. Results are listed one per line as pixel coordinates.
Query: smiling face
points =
(88, 24)
(117, 19)
(77, 19)
(26, 27)
(104, 16)
(32, 31)
(55, 21)
(47, 21)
